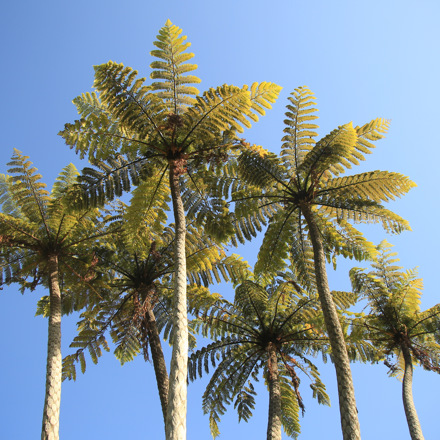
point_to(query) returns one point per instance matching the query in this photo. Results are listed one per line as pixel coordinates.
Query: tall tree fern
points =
(41, 242)
(168, 133)
(396, 325)
(310, 206)
(136, 305)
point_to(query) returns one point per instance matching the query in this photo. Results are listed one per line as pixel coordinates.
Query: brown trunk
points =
(51, 413)
(347, 402)
(415, 429)
(175, 425)
(160, 367)
(274, 421)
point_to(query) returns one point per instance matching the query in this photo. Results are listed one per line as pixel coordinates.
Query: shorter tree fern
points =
(43, 242)
(396, 325)
(270, 328)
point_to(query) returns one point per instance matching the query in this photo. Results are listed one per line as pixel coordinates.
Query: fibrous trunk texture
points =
(274, 421)
(51, 412)
(415, 429)
(347, 402)
(175, 425)
(160, 367)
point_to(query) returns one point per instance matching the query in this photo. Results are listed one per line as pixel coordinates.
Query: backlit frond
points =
(175, 86)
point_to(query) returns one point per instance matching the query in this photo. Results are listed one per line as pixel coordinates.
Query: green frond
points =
(300, 129)
(260, 170)
(172, 68)
(252, 299)
(217, 110)
(7, 201)
(331, 153)
(340, 238)
(148, 206)
(65, 180)
(289, 409)
(368, 133)
(136, 108)
(344, 300)
(98, 134)
(245, 402)
(378, 186)
(262, 96)
(109, 179)
(274, 251)
(26, 190)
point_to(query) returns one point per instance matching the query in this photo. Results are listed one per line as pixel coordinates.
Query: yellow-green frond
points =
(331, 153)
(174, 87)
(262, 96)
(300, 129)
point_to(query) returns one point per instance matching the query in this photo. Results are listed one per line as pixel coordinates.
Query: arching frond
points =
(332, 153)
(378, 186)
(26, 189)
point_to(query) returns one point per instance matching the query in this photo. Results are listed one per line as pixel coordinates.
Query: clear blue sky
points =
(362, 60)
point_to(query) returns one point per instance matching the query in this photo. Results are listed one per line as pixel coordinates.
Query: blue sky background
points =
(362, 60)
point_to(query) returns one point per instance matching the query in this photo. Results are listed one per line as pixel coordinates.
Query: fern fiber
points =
(408, 403)
(274, 420)
(347, 402)
(160, 367)
(51, 412)
(175, 425)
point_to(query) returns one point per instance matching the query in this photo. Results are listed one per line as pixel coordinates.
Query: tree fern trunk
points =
(347, 402)
(408, 402)
(51, 413)
(175, 425)
(274, 421)
(160, 367)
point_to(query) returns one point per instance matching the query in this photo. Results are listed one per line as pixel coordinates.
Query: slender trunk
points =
(347, 402)
(175, 425)
(51, 413)
(408, 403)
(160, 367)
(274, 421)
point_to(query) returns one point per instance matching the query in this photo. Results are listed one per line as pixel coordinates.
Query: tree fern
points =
(312, 208)
(396, 325)
(165, 125)
(278, 315)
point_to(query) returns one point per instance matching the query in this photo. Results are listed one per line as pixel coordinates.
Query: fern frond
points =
(378, 186)
(300, 129)
(174, 88)
(262, 96)
(218, 110)
(26, 189)
(136, 108)
(331, 153)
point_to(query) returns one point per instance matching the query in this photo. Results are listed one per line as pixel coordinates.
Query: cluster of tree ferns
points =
(136, 271)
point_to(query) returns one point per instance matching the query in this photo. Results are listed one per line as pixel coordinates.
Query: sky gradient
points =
(361, 59)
